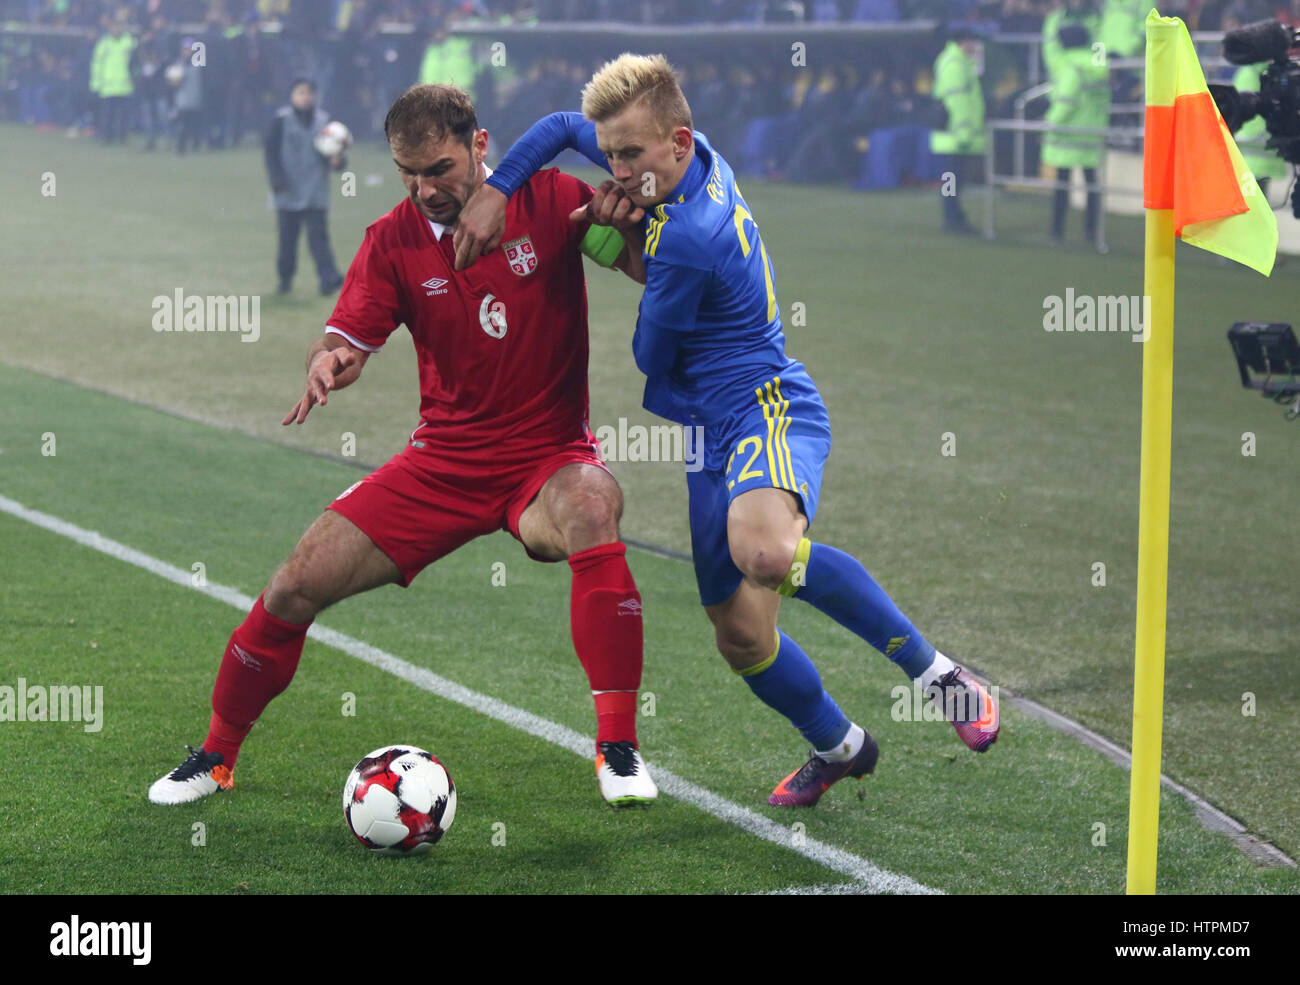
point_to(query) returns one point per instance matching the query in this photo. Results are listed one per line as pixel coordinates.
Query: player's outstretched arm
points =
(483, 219)
(542, 143)
(332, 364)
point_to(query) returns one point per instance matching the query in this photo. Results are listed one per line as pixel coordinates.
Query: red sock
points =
(259, 663)
(605, 614)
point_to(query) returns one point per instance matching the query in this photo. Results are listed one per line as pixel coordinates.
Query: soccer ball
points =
(399, 800)
(174, 74)
(333, 138)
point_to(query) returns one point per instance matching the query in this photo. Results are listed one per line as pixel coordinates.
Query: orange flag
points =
(1191, 163)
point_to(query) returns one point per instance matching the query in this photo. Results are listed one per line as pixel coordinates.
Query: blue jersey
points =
(709, 327)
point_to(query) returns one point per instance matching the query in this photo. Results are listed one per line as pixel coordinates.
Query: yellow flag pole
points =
(1153, 554)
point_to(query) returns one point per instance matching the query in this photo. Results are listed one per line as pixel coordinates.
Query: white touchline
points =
(872, 877)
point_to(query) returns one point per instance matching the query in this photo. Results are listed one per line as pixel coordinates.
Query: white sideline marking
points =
(869, 876)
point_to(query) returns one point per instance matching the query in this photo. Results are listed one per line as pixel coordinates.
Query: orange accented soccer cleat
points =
(969, 706)
(624, 779)
(201, 774)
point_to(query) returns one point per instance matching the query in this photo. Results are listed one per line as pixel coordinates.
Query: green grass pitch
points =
(171, 444)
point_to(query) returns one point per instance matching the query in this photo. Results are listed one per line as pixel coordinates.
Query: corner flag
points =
(1191, 163)
(1196, 187)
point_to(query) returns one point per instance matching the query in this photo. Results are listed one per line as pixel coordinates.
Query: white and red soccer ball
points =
(333, 138)
(399, 800)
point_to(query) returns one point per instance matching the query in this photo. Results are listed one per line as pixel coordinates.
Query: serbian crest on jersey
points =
(521, 256)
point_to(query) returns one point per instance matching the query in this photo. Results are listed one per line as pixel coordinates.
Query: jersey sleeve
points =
(542, 143)
(369, 308)
(669, 304)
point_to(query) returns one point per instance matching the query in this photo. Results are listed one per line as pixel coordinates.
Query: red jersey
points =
(502, 346)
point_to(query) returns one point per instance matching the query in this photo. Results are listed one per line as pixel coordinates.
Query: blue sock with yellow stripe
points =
(789, 682)
(837, 584)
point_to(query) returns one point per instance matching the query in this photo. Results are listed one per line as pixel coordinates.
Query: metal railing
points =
(993, 180)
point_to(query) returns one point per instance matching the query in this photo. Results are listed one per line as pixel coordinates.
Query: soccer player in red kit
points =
(503, 440)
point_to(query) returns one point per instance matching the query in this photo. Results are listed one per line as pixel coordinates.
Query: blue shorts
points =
(778, 439)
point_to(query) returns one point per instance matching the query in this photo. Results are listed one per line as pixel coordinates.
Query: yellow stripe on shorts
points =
(785, 430)
(769, 415)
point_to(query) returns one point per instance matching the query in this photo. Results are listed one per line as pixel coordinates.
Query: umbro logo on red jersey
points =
(435, 285)
(629, 607)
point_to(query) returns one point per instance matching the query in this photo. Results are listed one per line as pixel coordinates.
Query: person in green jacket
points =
(1123, 27)
(449, 61)
(962, 140)
(1080, 98)
(1082, 13)
(110, 80)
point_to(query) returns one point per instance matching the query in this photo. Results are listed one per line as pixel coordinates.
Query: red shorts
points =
(423, 504)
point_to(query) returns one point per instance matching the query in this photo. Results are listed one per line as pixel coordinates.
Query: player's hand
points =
(320, 381)
(480, 226)
(610, 206)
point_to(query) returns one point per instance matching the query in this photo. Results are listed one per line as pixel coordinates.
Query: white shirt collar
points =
(437, 227)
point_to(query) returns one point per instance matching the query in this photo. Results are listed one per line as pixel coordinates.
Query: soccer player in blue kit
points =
(710, 342)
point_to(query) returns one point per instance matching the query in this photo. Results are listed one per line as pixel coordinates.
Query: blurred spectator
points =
(1082, 13)
(1123, 27)
(1080, 98)
(153, 96)
(299, 178)
(764, 144)
(110, 80)
(962, 139)
(823, 148)
(188, 80)
(354, 81)
(449, 60)
(250, 96)
(218, 79)
(544, 88)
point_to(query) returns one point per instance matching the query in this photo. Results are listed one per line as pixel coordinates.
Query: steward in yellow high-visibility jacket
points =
(110, 80)
(962, 138)
(1080, 98)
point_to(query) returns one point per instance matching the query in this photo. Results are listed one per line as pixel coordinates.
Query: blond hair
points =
(629, 79)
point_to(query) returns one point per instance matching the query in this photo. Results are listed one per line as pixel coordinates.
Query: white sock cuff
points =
(937, 669)
(846, 748)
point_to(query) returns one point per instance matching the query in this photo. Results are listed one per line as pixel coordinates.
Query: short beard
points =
(474, 183)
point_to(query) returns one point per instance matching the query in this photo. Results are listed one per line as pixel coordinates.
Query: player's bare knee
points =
(291, 597)
(766, 562)
(589, 520)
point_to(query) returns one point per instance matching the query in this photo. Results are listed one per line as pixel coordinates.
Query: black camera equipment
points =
(1269, 350)
(1278, 99)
